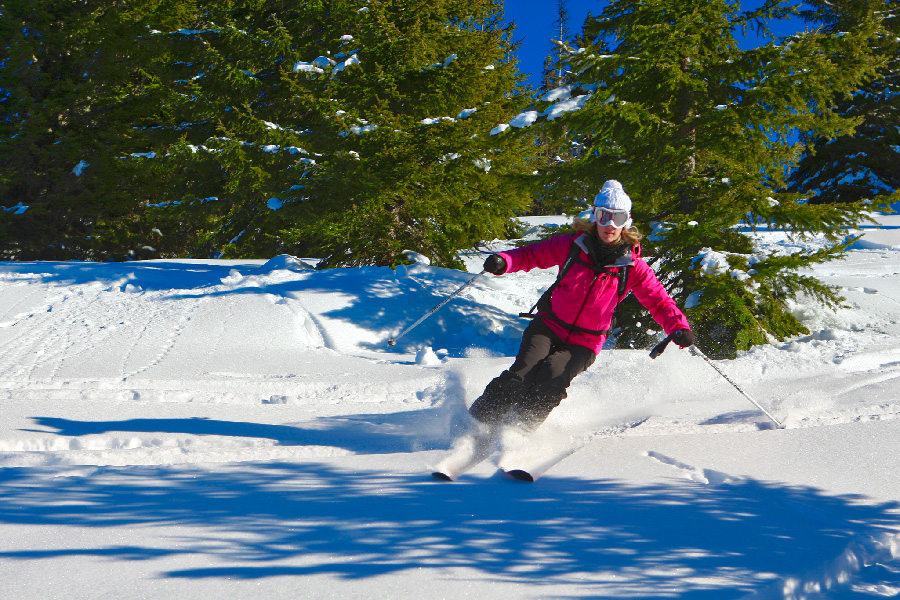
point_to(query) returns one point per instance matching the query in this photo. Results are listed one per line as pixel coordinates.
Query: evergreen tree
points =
(701, 133)
(866, 163)
(555, 73)
(408, 161)
(227, 147)
(349, 130)
(50, 107)
(557, 145)
(72, 94)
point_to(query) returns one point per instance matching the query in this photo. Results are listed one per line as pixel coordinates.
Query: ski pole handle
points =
(661, 347)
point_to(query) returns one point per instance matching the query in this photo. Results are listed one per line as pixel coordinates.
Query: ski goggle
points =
(616, 218)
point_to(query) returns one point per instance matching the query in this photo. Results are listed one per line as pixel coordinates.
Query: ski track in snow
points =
(118, 351)
(704, 476)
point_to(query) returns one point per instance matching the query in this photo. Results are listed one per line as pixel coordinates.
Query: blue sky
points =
(534, 27)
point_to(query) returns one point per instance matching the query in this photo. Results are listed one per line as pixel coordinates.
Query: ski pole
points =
(660, 347)
(393, 341)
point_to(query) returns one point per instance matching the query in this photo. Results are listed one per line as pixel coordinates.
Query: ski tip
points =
(519, 475)
(441, 476)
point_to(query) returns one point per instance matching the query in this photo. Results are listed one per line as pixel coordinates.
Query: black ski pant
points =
(536, 382)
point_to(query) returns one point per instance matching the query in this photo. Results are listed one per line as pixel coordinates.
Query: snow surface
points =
(241, 429)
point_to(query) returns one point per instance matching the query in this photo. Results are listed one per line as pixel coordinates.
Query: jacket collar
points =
(623, 261)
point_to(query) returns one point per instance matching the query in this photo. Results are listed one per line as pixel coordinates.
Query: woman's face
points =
(609, 234)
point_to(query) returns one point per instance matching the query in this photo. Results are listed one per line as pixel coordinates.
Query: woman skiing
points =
(598, 265)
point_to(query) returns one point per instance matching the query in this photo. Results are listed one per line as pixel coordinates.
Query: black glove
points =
(495, 264)
(683, 337)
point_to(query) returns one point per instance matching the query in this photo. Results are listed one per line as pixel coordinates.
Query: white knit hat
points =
(613, 197)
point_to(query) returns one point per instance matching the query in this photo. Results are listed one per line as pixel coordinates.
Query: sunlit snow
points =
(241, 429)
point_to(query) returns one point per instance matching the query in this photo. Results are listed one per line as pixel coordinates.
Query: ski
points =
(466, 453)
(519, 475)
(525, 455)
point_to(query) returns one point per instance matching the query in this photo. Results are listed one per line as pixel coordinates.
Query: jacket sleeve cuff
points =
(509, 262)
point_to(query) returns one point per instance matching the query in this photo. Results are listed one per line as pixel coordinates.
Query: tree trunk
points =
(688, 133)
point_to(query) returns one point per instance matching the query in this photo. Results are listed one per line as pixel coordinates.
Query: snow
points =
(323, 62)
(240, 429)
(560, 93)
(524, 119)
(436, 120)
(359, 130)
(301, 66)
(569, 105)
(18, 209)
(352, 60)
(563, 104)
(79, 168)
(499, 129)
(709, 262)
(693, 300)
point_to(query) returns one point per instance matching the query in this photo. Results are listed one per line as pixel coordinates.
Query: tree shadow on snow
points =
(261, 520)
(149, 275)
(405, 431)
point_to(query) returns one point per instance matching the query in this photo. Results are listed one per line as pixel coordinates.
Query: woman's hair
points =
(630, 235)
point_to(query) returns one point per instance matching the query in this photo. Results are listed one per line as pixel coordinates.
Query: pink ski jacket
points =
(585, 298)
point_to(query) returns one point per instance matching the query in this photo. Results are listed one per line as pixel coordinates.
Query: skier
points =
(598, 265)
